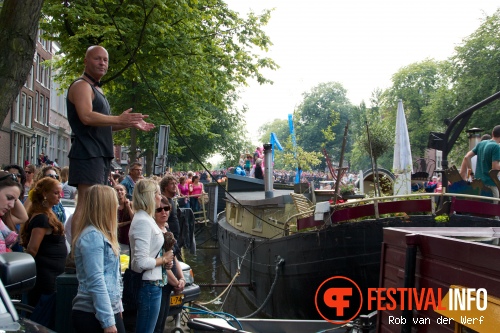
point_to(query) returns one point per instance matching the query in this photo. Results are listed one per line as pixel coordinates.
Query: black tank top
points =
(258, 172)
(90, 141)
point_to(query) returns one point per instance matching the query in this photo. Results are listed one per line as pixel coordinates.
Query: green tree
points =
(278, 126)
(477, 67)
(178, 61)
(415, 84)
(472, 74)
(19, 27)
(476, 76)
(323, 112)
(294, 157)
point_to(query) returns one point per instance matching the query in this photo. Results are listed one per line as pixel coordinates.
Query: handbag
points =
(132, 283)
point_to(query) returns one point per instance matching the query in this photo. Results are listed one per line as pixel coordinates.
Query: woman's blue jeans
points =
(148, 307)
(195, 204)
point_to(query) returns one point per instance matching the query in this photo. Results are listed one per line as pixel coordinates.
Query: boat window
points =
(232, 213)
(257, 222)
(240, 211)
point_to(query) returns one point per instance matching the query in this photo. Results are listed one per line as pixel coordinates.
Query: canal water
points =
(208, 270)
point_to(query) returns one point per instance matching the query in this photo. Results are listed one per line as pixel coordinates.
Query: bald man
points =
(92, 124)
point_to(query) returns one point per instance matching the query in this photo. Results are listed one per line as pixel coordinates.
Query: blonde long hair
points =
(143, 197)
(100, 211)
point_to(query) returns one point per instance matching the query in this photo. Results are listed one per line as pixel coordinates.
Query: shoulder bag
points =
(132, 283)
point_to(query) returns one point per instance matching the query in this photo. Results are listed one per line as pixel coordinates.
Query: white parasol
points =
(402, 165)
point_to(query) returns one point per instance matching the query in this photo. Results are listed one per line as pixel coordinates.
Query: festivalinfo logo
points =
(340, 300)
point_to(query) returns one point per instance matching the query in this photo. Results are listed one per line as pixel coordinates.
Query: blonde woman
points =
(146, 241)
(97, 306)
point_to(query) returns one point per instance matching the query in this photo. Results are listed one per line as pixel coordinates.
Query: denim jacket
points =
(99, 277)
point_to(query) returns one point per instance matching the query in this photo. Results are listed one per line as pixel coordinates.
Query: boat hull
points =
(351, 249)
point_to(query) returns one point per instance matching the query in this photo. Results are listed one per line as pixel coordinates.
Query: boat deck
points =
(252, 198)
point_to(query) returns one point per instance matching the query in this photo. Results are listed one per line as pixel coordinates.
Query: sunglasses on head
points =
(166, 208)
(12, 176)
(52, 176)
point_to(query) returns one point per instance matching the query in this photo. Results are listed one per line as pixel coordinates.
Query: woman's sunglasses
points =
(12, 176)
(52, 176)
(28, 172)
(166, 208)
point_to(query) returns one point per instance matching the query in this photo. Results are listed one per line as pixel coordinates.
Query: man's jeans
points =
(148, 307)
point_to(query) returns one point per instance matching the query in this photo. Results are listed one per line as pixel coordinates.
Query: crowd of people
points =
(132, 214)
(129, 214)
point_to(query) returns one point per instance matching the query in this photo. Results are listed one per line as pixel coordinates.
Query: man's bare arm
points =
(466, 164)
(81, 95)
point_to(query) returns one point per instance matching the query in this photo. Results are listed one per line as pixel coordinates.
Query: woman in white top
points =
(146, 240)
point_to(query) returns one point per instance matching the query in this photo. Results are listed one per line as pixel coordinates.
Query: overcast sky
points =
(359, 43)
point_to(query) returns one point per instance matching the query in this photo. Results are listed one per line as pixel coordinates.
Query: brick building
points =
(37, 121)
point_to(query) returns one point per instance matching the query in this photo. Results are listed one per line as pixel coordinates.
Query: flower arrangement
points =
(346, 189)
(442, 218)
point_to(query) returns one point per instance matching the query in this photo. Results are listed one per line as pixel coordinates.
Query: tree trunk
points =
(19, 26)
(149, 162)
(132, 154)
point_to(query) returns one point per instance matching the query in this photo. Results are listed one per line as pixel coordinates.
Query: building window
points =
(22, 112)
(41, 40)
(15, 110)
(29, 82)
(38, 76)
(29, 114)
(47, 77)
(31, 78)
(41, 109)
(20, 108)
(46, 111)
(16, 146)
(35, 116)
(42, 73)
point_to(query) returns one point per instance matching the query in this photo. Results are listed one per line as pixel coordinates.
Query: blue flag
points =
(294, 143)
(274, 141)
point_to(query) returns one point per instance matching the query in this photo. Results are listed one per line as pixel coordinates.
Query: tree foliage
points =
(278, 126)
(473, 74)
(476, 76)
(178, 61)
(415, 84)
(294, 157)
(321, 116)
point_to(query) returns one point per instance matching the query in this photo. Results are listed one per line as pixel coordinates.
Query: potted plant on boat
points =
(346, 190)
